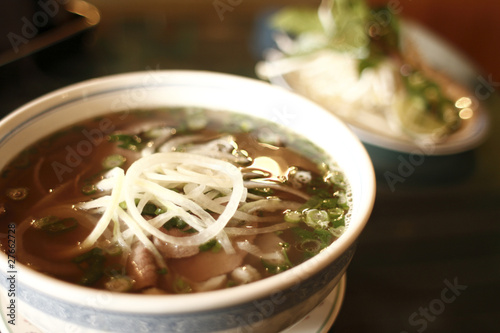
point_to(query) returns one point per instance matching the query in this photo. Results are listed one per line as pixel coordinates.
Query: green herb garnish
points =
(212, 245)
(53, 224)
(92, 264)
(130, 142)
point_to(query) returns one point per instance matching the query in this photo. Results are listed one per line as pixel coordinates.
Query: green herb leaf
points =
(175, 222)
(212, 245)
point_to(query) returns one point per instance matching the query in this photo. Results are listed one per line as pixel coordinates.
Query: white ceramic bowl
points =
(269, 305)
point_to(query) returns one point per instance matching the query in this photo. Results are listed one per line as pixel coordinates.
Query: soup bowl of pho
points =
(176, 201)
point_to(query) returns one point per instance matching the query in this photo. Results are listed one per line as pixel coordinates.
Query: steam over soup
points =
(174, 200)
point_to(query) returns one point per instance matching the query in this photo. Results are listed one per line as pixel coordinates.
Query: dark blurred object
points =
(28, 26)
(35, 36)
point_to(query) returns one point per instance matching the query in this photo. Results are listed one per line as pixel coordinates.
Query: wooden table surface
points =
(429, 258)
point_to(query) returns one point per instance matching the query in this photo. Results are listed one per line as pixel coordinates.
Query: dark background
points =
(439, 227)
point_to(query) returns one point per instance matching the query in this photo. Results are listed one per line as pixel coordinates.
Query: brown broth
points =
(57, 168)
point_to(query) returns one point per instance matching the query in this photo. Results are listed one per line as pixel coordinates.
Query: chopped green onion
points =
(162, 271)
(92, 263)
(311, 246)
(293, 216)
(317, 218)
(324, 236)
(329, 203)
(262, 191)
(275, 268)
(178, 223)
(246, 126)
(312, 242)
(63, 225)
(123, 205)
(181, 286)
(53, 224)
(119, 284)
(113, 161)
(337, 217)
(130, 142)
(337, 232)
(231, 283)
(87, 255)
(18, 193)
(89, 189)
(212, 245)
(175, 222)
(93, 273)
(159, 211)
(149, 209)
(40, 223)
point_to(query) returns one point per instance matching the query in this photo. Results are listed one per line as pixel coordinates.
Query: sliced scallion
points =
(17, 193)
(53, 224)
(92, 264)
(212, 245)
(311, 246)
(130, 142)
(175, 222)
(293, 216)
(113, 161)
(87, 255)
(149, 209)
(89, 189)
(181, 286)
(316, 218)
(275, 268)
(261, 191)
(159, 211)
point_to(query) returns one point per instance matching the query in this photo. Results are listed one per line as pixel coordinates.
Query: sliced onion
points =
(135, 183)
(113, 204)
